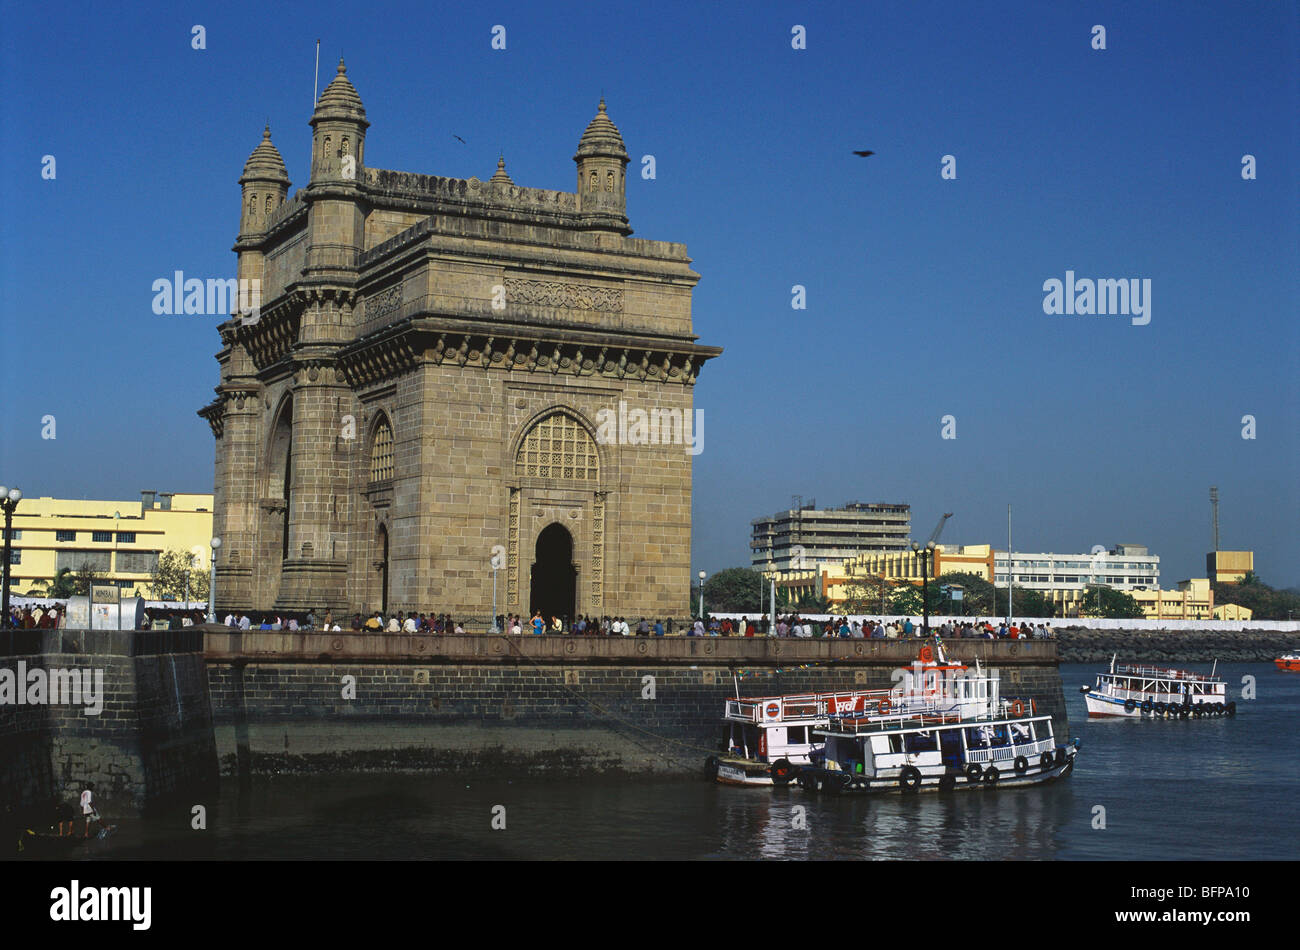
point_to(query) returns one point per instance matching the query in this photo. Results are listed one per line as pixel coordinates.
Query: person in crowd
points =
(659, 628)
(698, 629)
(539, 625)
(88, 809)
(643, 628)
(410, 625)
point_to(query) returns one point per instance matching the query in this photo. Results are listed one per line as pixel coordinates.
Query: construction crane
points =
(938, 529)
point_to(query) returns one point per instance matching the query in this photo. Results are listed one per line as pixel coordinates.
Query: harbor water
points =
(1196, 790)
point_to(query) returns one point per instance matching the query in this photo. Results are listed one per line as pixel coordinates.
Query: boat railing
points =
(1008, 753)
(1159, 672)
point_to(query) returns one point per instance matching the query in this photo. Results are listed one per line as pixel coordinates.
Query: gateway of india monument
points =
(419, 395)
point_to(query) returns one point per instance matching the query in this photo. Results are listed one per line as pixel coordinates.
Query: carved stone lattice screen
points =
(558, 447)
(381, 453)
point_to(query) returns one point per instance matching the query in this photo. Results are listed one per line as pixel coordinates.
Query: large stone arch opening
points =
(381, 566)
(277, 492)
(554, 579)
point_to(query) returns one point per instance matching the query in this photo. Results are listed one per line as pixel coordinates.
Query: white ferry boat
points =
(766, 738)
(922, 752)
(1135, 692)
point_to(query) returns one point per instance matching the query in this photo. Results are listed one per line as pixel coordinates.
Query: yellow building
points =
(120, 540)
(1193, 600)
(858, 578)
(1233, 612)
(1229, 567)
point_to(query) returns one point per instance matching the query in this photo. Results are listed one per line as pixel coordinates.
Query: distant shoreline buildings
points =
(120, 540)
(838, 553)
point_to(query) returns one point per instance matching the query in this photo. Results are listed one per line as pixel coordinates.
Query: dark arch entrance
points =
(554, 578)
(383, 571)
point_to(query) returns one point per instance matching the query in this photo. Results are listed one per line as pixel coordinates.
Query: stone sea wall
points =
(293, 702)
(1164, 646)
(151, 740)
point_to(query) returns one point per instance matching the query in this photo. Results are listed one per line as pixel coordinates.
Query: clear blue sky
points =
(924, 295)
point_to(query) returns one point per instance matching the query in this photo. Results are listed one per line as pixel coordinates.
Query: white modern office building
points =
(1124, 567)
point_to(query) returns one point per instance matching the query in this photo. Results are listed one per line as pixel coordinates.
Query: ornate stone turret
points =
(265, 185)
(339, 131)
(602, 164)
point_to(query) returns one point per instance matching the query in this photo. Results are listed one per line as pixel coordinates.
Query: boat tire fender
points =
(1046, 761)
(909, 780)
(1021, 765)
(1129, 705)
(991, 775)
(973, 772)
(1231, 709)
(781, 771)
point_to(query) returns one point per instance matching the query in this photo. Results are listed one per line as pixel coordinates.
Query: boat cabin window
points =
(921, 742)
(796, 735)
(884, 745)
(1020, 732)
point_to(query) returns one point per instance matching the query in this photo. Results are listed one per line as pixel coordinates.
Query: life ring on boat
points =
(927, 655)
(1161, 709)
(991, 775)
(1046, 761)
(1147, 706)
(1231, 709)
(1183, 712)
(808, 782)
(1021, 765)
(1033, 707)
(909, 780)
(1129, 705)
(884, 706)
(1018, 708)
(781, 771)
(1219, 709)
(973, 772)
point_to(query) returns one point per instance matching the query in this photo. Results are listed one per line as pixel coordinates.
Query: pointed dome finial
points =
(601, 108)
(266, 132)
(342, 70)
(501, 177)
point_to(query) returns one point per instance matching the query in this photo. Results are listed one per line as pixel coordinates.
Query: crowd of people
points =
(399, 622)
(34, 617)
(843, 627)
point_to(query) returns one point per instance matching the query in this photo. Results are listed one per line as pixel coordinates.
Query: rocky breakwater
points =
(1076, 645)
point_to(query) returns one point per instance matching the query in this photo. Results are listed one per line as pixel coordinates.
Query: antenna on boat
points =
(1214, 667)
(1112, 661)
(736, 680)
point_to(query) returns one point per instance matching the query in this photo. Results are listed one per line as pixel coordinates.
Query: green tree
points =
(977, 595)
(1025, 602)
(62, 586)
(84, 578)
(1265, 602)
(908, 599)
(167, 580)
(1102, 600)
(733, 590)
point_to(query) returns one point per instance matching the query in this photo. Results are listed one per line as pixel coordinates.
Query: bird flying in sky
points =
(863, 154)
(458, 138)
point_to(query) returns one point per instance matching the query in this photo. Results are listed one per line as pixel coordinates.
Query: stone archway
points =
(381, 564)
(554, 585)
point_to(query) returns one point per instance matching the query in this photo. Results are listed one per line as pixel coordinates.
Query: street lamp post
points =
(9, 500)
(212, 582)
(926, 553)
(701, 575)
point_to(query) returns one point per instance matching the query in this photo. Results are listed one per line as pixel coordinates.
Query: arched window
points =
(558, 447)
(269, 205)
(609, 181)
(381, 452)
(252, 205)
(345, 145)
(594, 186)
